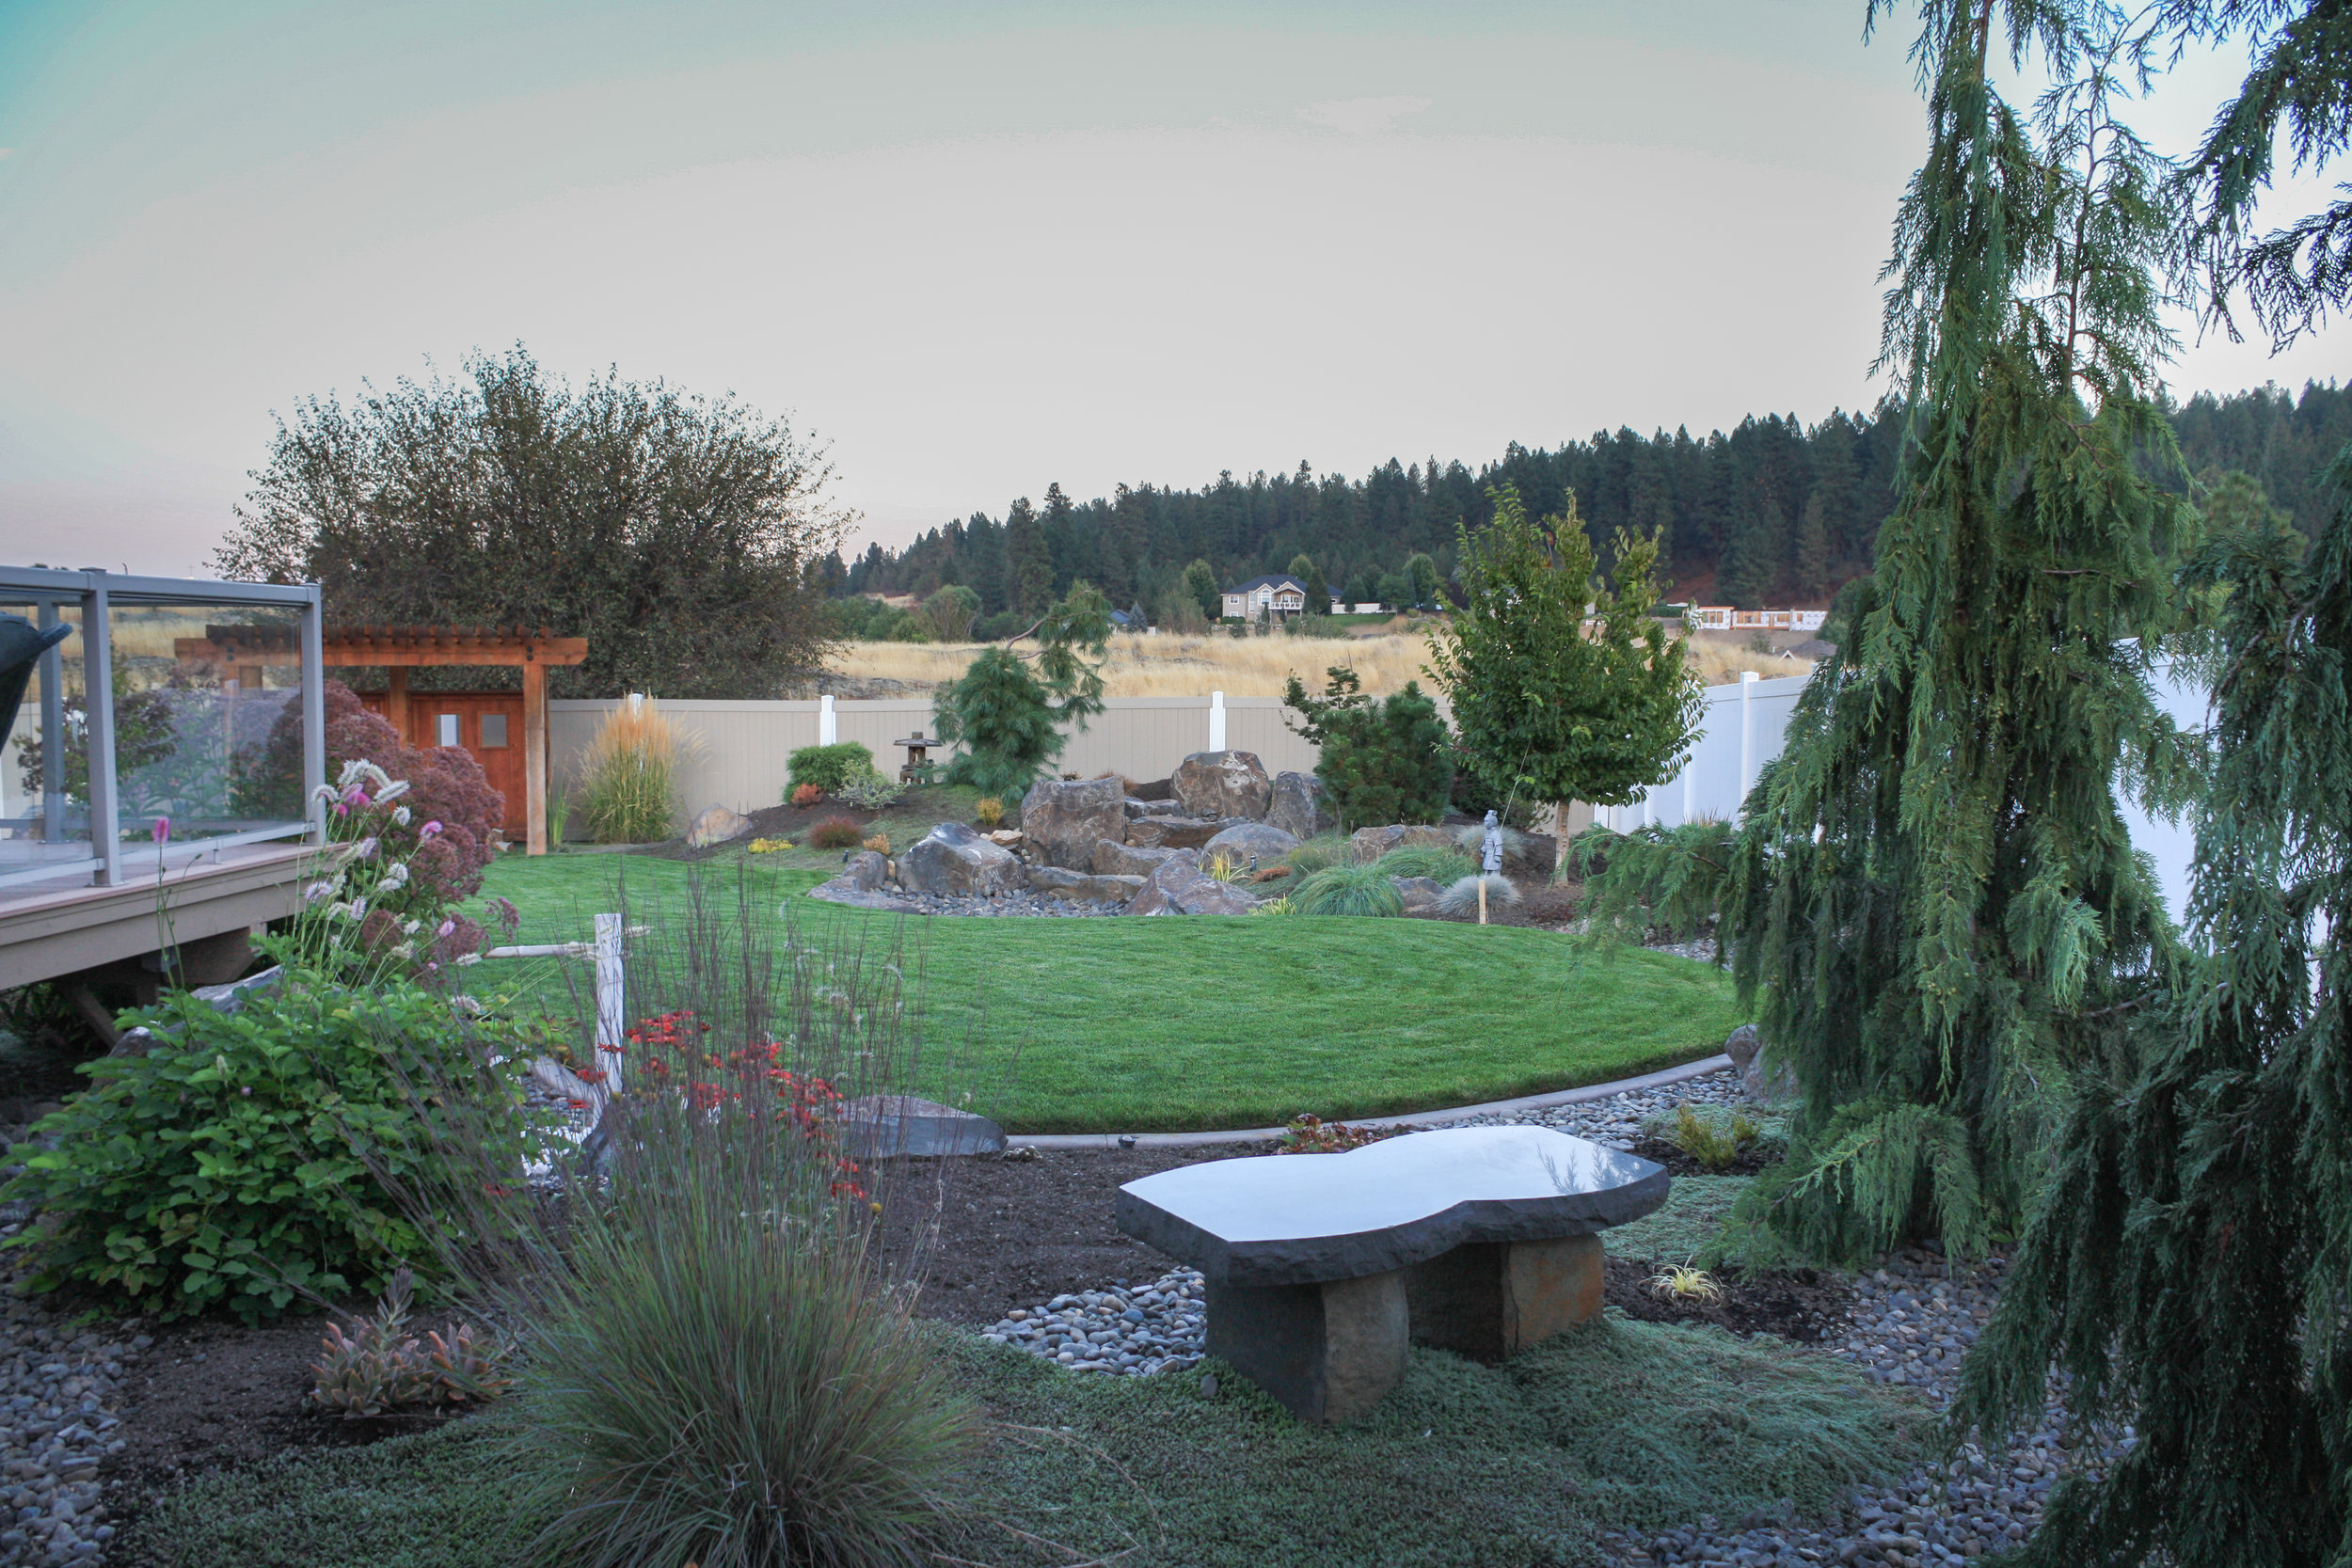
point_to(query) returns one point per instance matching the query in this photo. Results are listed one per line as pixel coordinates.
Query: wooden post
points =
(535, 756)
(1482, 899)
(396, 702)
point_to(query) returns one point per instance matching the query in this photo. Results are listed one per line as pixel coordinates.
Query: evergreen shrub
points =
(827, 767)
(1382, 760)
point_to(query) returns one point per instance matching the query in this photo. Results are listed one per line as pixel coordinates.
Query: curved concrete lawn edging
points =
(1413, 1118)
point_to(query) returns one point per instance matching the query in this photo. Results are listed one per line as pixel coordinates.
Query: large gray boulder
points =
(1082, 887)
(953, 859)
(866, 870)
(1249, 841)
(1063, 819)
(1137, 807)
(1760, 1078)
(1300, 808)
(881, 1125)
(1222, 784)
(1373, 843)
(716, 825)
(1114, 859)
(1172, 833)
(1178, 888)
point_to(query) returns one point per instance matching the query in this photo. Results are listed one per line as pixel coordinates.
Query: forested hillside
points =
(1774, 512)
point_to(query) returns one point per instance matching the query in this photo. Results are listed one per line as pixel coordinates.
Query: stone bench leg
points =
(1325, 1353)
(1491, 1300)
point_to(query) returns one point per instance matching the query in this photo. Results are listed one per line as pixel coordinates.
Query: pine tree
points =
(1750, 567)
(1311, 577)
(1008, 716)
(1543, 710)
(1935, 906)
(1814, 560)
(1200, 582)
(2190, 1261)
(1028, 562)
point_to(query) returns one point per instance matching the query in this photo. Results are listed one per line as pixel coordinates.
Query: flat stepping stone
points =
(1320, 1268)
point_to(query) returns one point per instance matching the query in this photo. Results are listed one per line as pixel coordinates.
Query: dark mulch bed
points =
(214, 1393)
(1014, 1233)
(1797, 1305)
(1751, 1160)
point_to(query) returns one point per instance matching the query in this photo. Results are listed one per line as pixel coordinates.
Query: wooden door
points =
(489, 725)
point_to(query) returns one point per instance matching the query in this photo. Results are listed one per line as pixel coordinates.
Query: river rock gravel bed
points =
(1129, 1333)
(1617, 1122)
(60, 1391)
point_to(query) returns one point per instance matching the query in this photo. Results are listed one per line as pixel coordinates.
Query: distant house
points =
(1279, 597)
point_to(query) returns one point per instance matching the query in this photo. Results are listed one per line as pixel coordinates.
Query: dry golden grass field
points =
(1167, 665)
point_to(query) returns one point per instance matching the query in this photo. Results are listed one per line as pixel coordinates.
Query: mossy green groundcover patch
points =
(1614, 1425)
(1092, 1025)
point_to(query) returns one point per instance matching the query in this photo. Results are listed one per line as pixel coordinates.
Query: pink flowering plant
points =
(388, 896)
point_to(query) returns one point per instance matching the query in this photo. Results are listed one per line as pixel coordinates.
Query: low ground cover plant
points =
(379, 1368)
(223, 1167)
(826, 768)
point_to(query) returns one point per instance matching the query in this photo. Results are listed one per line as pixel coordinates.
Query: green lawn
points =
(1092, 1025)
(1614, 1423)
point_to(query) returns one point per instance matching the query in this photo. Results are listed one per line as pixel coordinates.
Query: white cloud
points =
(1361, 117)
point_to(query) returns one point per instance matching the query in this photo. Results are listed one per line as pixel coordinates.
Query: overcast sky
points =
(975, 248)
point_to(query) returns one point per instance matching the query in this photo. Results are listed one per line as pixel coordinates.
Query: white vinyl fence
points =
(739, 752)
(1745, 726)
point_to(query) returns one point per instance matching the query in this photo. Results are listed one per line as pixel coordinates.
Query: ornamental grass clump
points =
(1428, 860)
(629, 791)
(1461, 895)
(836, 832)
(1347, 888)
(717, 1361)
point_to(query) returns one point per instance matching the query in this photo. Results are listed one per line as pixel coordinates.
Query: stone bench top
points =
(1299, 1219)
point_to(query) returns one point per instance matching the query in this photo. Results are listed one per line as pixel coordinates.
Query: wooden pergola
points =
(401, 649)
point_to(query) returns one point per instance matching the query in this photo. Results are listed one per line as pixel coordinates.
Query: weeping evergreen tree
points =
(1009, 706)
(2190, 1262)
(1935, 909)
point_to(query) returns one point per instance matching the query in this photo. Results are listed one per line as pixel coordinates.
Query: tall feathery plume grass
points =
(630, 778)
(717, 1363)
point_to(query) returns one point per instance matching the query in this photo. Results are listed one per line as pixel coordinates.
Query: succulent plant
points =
(380, 1369)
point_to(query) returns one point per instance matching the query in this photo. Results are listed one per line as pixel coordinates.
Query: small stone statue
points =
(1490, 849)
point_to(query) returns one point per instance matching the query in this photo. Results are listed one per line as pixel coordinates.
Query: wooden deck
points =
(49, 928)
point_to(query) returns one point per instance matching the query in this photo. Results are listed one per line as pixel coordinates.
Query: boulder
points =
(866, 870)
(1137, 808)
(1063, 820)
(1299, 807)
(1153, 789)
(1114, 859)
(1761, 1079)
(1420, 894)
(1249, 841)
(953, 859)
(1373, 843)
(887, 1124)
(1179, 887)
(1083, 887)
(1223, 783)
(1172, 833)
(716, 826)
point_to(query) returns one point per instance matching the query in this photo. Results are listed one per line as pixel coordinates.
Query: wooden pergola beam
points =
(400, 649)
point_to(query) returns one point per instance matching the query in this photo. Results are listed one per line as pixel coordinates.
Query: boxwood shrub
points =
(829, 766)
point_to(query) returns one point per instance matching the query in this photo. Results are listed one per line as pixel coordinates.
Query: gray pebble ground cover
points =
(59, 1392)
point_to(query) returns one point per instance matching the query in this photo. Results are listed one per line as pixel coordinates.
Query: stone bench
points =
(1322, 1267)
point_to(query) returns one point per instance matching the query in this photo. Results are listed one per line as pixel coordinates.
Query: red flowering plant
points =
(672, 1053)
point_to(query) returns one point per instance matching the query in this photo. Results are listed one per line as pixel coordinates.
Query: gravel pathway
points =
(60, 1390)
